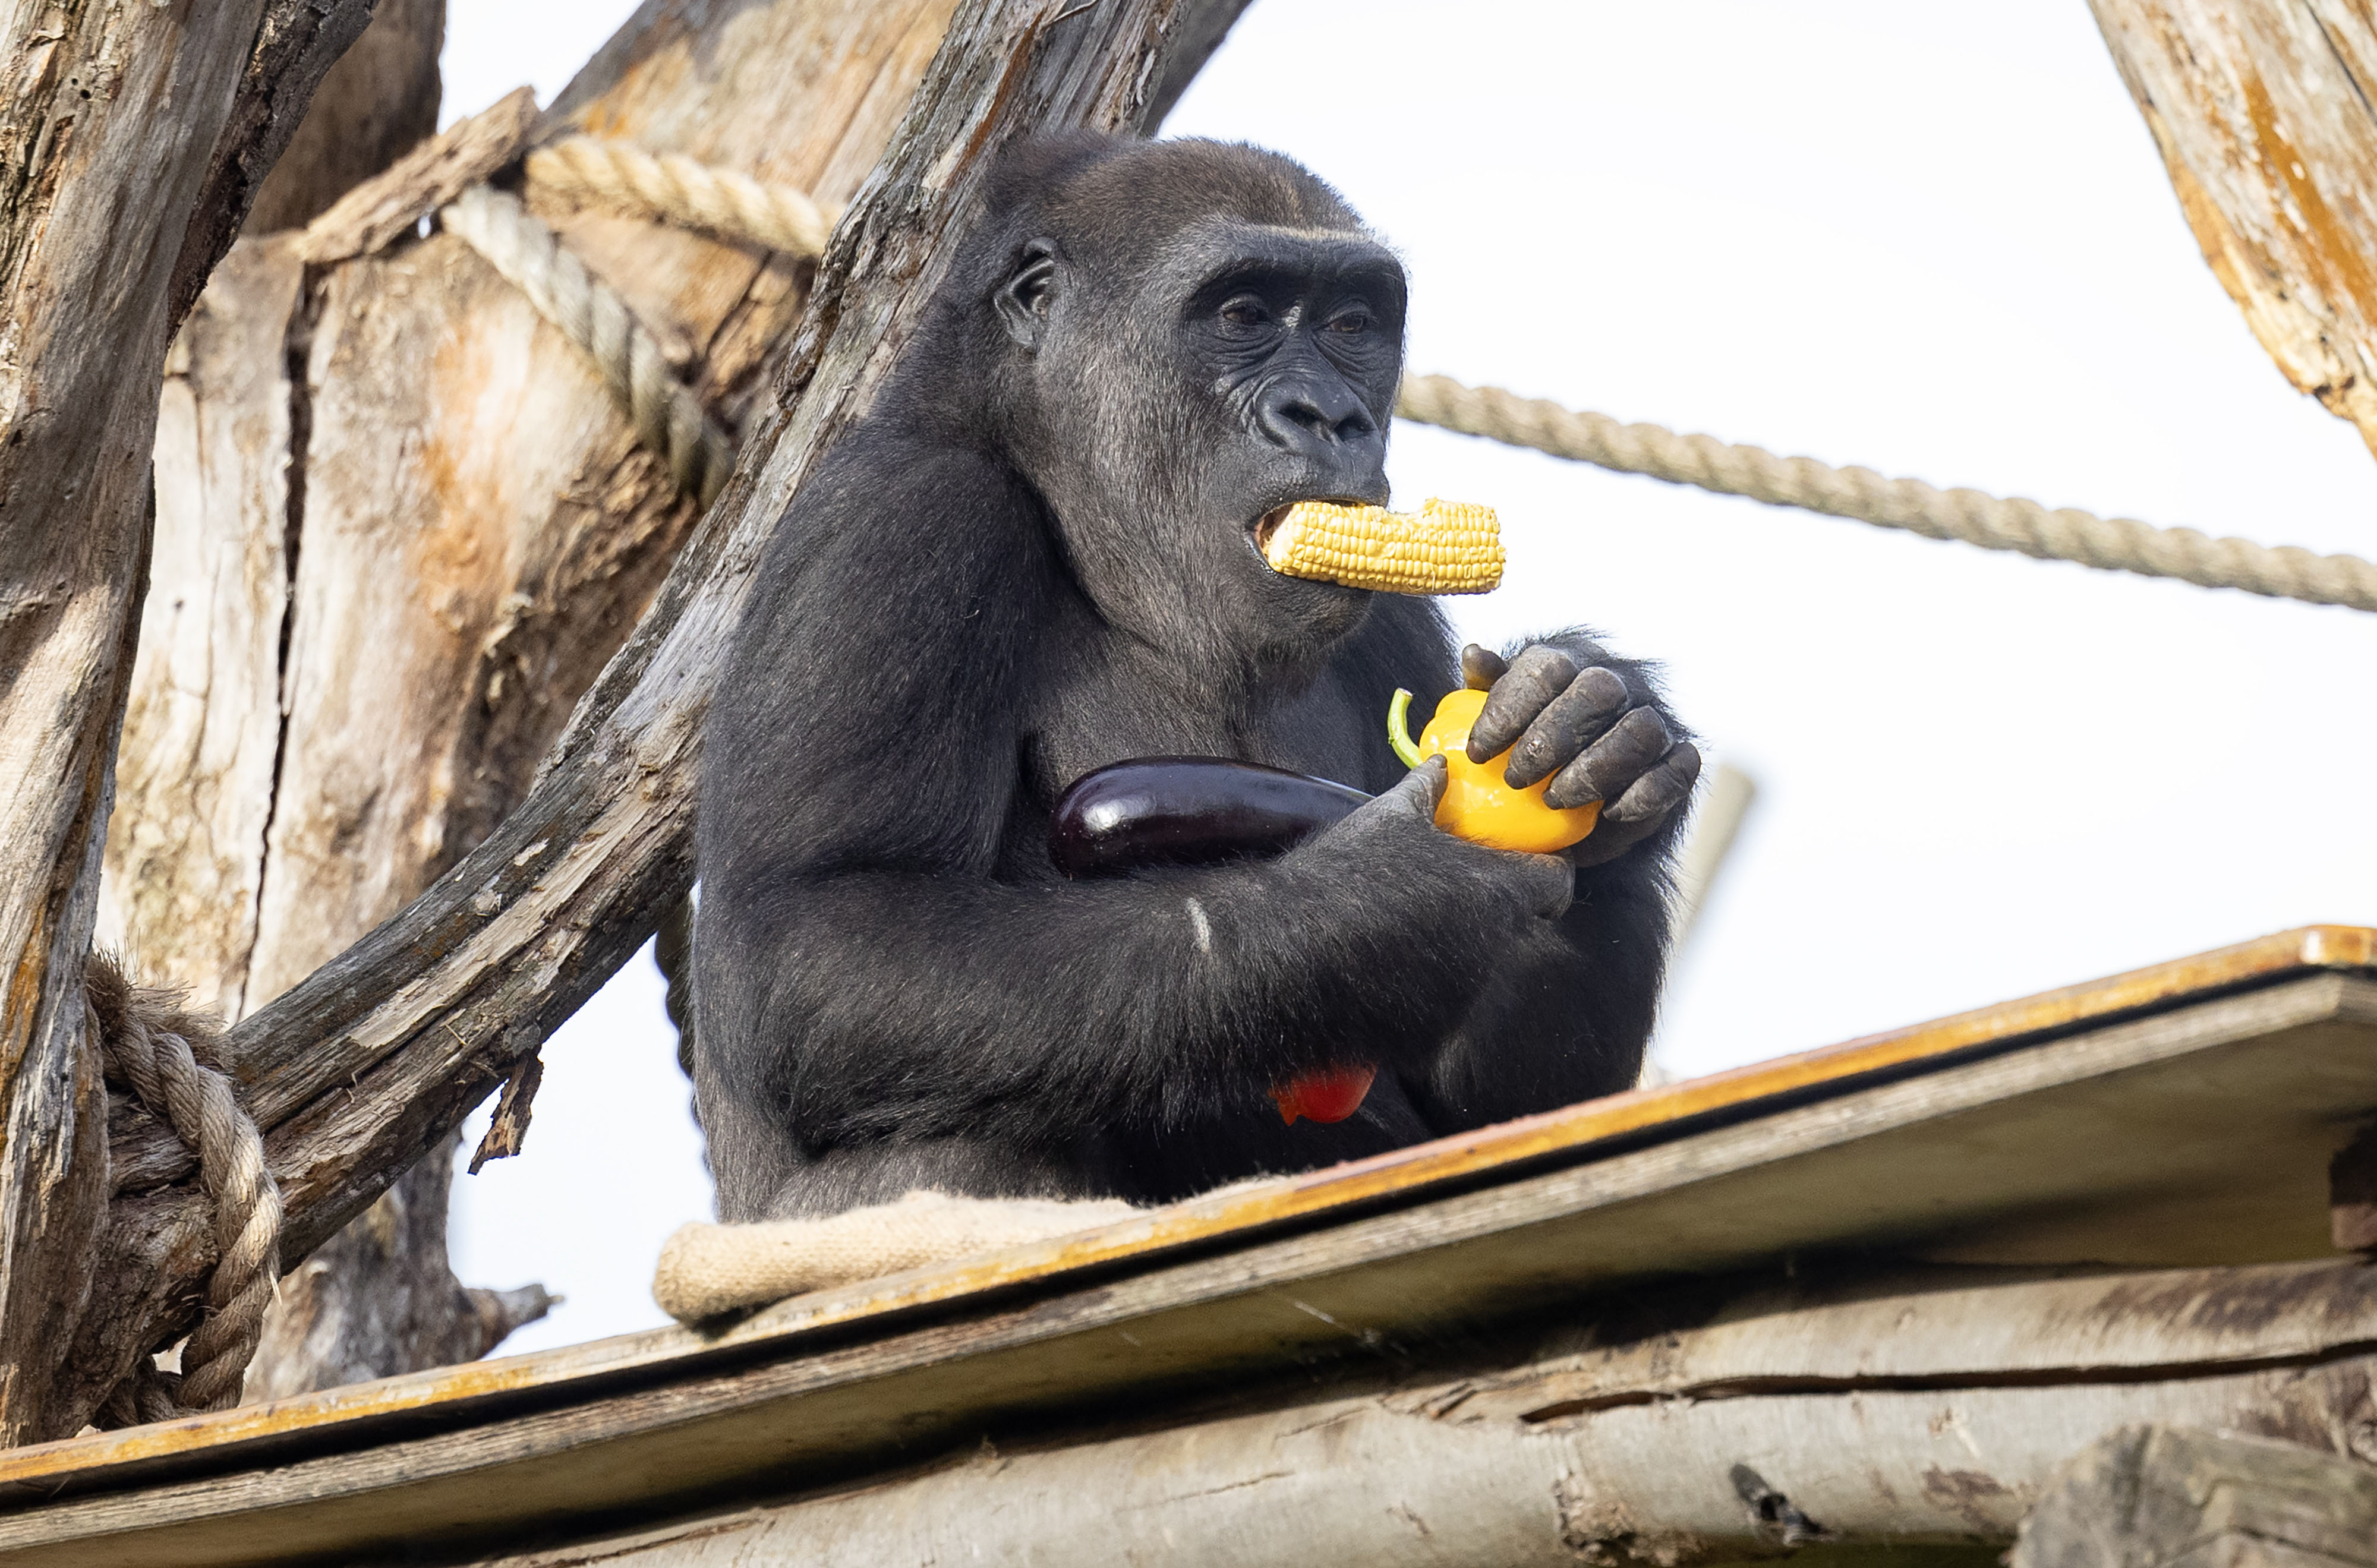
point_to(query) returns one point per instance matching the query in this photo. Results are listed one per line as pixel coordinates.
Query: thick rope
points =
(199, 1104)
(591, 169)
(738, 206)
(667, 416)
(2113, 544)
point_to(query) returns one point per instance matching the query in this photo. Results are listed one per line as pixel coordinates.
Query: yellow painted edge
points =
(1204, 1219)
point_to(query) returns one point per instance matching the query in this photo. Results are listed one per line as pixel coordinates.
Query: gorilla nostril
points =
(1300, 416)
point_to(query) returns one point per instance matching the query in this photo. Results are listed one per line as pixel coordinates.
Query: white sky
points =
(1929, 239)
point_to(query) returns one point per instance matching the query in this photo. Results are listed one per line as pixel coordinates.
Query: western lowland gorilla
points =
(1032, 557)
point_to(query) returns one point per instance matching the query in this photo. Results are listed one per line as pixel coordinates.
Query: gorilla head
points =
(1186, 337)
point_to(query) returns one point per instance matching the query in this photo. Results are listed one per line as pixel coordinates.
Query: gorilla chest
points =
(1094, 722)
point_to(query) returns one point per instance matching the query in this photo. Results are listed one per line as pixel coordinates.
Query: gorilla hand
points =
(1584, 730)
(1400, 826)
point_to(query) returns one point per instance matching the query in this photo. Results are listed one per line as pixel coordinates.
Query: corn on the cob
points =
(1450, 547)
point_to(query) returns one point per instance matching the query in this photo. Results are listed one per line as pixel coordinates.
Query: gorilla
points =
(1032, 557)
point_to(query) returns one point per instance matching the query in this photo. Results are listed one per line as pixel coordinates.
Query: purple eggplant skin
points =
(1186, 811)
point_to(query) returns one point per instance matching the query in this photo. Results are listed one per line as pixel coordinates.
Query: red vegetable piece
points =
(1324, 1097)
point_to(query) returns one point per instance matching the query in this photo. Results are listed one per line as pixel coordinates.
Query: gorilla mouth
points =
(1260, 532)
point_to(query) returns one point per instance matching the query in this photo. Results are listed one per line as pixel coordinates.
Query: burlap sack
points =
(709, 1270)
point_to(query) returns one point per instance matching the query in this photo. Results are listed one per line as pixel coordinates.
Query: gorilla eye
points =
(1245, 312)
(1350, 321)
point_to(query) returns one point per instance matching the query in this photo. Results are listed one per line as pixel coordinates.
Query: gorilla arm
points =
(1551, 1030)
(922, 1004)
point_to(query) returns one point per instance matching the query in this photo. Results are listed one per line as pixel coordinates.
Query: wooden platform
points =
(2179, 1115)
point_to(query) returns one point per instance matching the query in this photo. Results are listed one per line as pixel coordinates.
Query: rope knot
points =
(172, 1060)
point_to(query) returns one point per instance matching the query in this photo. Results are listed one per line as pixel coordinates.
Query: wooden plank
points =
(1597, 1127)
(1395, 1476)
(2252, 1089)
(1362, 1483)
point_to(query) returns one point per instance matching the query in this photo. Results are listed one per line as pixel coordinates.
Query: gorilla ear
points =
(1022, 300)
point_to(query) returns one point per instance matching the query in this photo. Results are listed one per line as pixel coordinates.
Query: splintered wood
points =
(2261, 109)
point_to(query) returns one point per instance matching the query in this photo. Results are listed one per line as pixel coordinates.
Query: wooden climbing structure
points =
(1878, 1296)
(1872, 1295)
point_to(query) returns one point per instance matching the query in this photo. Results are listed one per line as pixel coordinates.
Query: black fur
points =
(1030, 559)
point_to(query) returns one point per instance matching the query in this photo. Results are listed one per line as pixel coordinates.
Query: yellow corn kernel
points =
(1450, 547)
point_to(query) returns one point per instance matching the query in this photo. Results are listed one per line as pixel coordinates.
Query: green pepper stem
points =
(1399, 727)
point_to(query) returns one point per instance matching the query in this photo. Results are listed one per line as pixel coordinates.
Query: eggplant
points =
(1186, 811)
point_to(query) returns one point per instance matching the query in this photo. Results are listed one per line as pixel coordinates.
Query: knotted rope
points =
(201, 1105)
(2112, 544)
(732, 205)
(666, 415)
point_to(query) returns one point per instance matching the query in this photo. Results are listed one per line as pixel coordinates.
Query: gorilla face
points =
(1187, 385)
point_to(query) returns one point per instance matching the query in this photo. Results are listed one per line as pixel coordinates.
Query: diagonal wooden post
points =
(134, 142)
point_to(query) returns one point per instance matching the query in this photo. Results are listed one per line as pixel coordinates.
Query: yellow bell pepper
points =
(1478, 804)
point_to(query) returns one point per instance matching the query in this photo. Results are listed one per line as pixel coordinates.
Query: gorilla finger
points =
(1547, 882)
(1417, 794)
(1535, 678)
(1610, 840)
(1576, 717)
(1653, 798)
(1613, 762)
(1481, 666)
(1648, 802)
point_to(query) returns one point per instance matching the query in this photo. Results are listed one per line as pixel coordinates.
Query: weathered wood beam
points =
(134, 137)
(360, 1070)
(2262, 112)
(295, 45)
(1694, 1426)
(1716, 1421)
(2154, 1496)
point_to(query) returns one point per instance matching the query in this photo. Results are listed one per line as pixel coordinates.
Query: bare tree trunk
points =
(2261, 109)
(379, 100)
(135, 137)
(403, 525)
